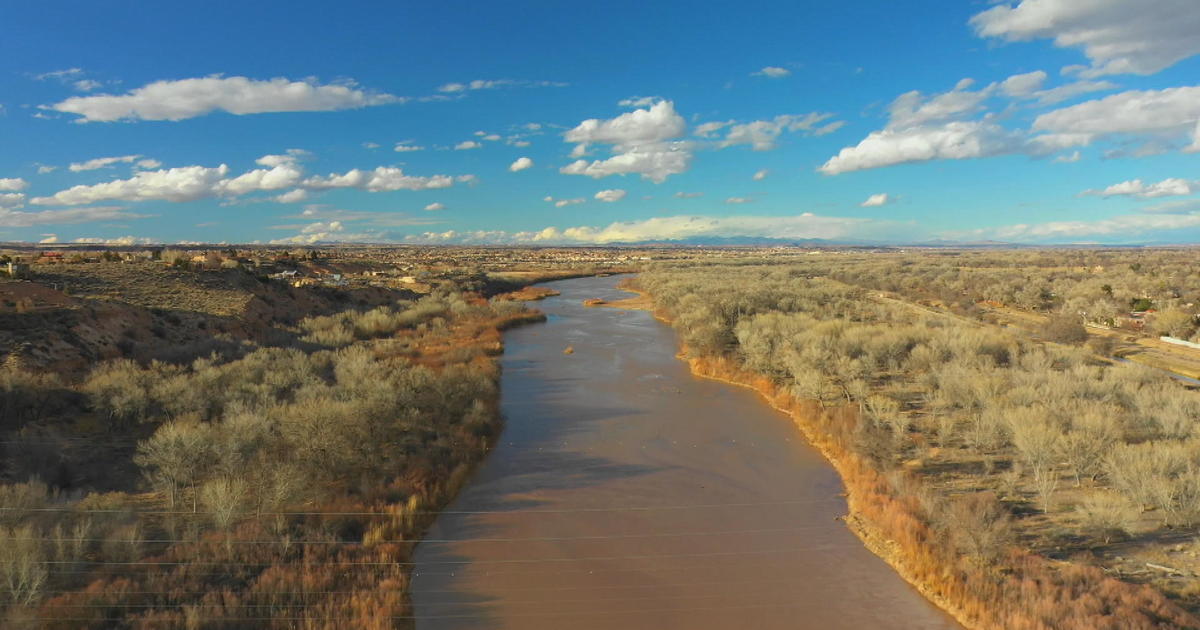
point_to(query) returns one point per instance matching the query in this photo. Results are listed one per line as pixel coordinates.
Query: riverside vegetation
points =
(275, 486)
(1019, 483)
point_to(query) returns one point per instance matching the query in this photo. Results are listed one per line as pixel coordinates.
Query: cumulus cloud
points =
(42, 169)
(12, 200)
(1116, 36)
(13, 184)
(611, 195)
(292, 196)
(14, 218)
(688, 195)
(1069, 158)
(123, 241)
(148, 163)
(49, 239)
(772, 72)
(383, 178)
(406, 147)
(187, 183)
(1023, 85)
(467, 145)
(954, 140)
(435, 206)
(562, 203)
(761, 175)
(1170, 187)
(520, 164)
(188, 98)
(655, 124)
(739, 200)
(641, 144)
(762, 135)
(653, 162)
(880, 199)
(284, 171)
(1171, 113)
(103, 162)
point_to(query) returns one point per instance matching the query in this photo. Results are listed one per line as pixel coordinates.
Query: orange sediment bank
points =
(594, 302)
(528, 294)
(1019, 594)
(1022, 591)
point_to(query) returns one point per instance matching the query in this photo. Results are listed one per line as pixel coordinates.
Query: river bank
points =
(1016, 589)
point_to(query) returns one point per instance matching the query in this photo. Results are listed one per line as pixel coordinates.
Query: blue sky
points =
(547, 122)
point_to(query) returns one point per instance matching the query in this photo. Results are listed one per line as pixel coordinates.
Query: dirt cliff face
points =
(67, 319)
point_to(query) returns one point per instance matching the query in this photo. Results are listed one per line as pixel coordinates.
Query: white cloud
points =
(739, 200)
(433, 207)
(49, 239)
(148, 164)
(124, 241)
(520, 164)
(383, 178)
(954, 140)
(371, 145)
(289, 157)
(773, 72)
(1171, 113)
(491, 84)
(188, 98)
(1123, 227)
(103, 162)
(688, 195)
(1023, 85)
(913, 109)
(641, 142)
(653, 162)
(880, 199)
(761, 175)
(639, 101)
(1071, 90)
(86, 85)
(187, 183)
(42, 169)
(706, 130)
(1170, 187)
(466, 145)
(1117, 36)
(1073, 157)
(12, 200)
(562, 203)
(292, 196)
(762, 135)
(14, 184)
(655, 124)
(611, 195)
(405, 147)
(62, 76)
(190, 183)
(14, 218)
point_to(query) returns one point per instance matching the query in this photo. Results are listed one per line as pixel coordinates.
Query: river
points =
(627, 493)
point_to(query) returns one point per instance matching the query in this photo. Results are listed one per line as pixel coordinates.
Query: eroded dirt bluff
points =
(626, 493)
(67, 319)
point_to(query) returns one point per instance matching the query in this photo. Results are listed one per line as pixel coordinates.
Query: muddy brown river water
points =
(626, 493)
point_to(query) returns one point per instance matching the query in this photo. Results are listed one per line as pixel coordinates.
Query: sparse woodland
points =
(273, 487)
(1022, 484)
